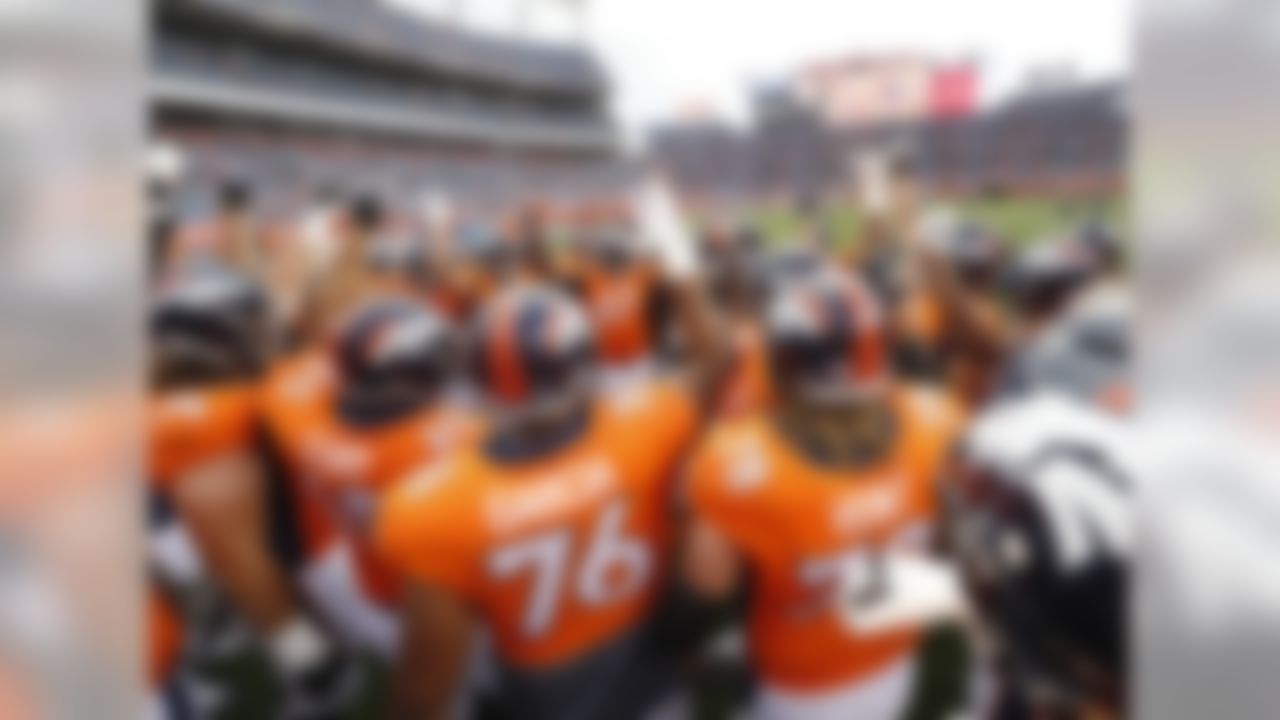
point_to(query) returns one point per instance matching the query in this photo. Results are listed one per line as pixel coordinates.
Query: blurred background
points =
(763, 110)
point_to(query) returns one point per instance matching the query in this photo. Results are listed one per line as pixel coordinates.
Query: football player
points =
(481, 261)
(1084, 353)
(951, 327)
(749, 388)
(840, 466)
(728, 260)
(385, 411)
(1038, 515)
(1039, 518)
(553, 532)
(626, 300)
(1043, 280)
(208, 474)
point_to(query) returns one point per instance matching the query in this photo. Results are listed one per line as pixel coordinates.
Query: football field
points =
(1019, 220)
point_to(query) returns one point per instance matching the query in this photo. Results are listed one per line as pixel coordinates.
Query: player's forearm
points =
(436, 642)
(705, 338)
(255, 582)
(963, 320)
(667, 232)
(710, 567)
(222, 506)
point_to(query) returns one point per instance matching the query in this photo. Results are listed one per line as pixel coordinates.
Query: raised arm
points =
(672, 242)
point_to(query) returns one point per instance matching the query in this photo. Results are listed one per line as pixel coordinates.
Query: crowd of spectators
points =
(286, 169)
(288, 96)
(1067, 142)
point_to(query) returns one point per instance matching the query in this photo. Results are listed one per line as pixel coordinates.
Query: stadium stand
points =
(289, 94)
(1060, 143)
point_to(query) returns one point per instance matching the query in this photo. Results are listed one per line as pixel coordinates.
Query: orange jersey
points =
(294, 396)
(798, 524)
(559, 555)
(921, 319)
(188, 429)
(749, 388)
(191, 427)
(348, 468)
(620, 305)
(164, 639)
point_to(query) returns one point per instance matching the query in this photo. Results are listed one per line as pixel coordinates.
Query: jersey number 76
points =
(611, 567)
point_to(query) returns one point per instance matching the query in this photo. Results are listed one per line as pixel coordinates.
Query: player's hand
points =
(321, 680)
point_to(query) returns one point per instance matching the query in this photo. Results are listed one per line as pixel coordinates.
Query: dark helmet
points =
(825, 338)
(974, 251)
(398, 254)
(1039, 517)
(208, 324)
(1101, 242)
(484, 247)
(533, 344)
(1085, 353)
(1043, 278)
(613, 248)
(393, 356)
(776, 269)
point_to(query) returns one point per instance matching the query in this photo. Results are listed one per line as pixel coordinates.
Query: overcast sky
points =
(666, 53)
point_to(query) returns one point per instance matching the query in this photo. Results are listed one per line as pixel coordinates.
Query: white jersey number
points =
(613, 567)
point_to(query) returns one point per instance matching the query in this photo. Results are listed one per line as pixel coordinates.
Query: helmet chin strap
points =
(853, 432)
(841, 394)
(542, 425)
(371, 409)
(182, 362)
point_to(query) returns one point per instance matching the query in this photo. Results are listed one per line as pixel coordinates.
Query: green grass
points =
(1026, 220)
(1021, 220)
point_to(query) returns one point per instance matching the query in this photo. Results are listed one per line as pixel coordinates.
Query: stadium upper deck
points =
(290, 94)
(375, 28)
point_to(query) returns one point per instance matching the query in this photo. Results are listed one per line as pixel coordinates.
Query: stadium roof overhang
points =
(433, 46)
(308, 110)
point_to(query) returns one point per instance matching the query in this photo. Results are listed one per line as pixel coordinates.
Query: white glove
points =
(898, 591)
(662, 227)
(320, 681)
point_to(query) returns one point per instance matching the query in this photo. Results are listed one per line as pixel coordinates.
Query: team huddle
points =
(478, 473)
